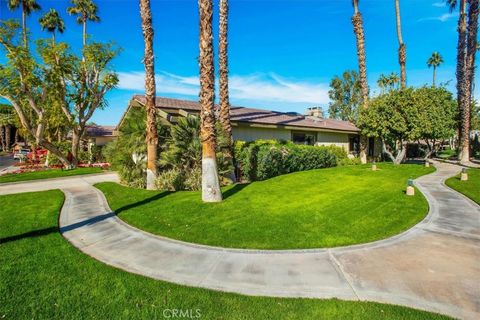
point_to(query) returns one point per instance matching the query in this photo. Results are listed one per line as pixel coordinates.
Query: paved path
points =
(434, 266)
(6, 161)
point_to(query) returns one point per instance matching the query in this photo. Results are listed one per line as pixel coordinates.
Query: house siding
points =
(244, 133)
(333, 138)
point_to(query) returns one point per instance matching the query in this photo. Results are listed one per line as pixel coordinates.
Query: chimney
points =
(315, 112)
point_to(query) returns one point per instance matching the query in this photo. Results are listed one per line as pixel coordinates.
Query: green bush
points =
(263, 159)
(171, 180)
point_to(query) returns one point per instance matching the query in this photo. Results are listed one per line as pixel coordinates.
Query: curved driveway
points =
(433, 266)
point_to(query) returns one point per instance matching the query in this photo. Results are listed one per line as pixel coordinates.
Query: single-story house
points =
(99, 135)
(250, 124)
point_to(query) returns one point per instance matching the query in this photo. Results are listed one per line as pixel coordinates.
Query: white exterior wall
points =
(252, 133)
(338, 139)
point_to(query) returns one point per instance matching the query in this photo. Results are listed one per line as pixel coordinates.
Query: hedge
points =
(263, 159)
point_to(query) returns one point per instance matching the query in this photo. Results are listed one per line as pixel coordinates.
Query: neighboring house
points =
(250, 124)
(99, 135)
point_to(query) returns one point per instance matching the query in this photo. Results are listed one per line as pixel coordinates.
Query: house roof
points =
(258, 116)
(99, 131)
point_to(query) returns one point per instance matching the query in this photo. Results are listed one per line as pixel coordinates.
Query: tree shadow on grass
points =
(233, 190)
(30, 234)
(143, 202)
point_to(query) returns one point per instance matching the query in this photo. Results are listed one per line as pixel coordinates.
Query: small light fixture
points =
(427, 164)
(464, 175)
(410, 188)
(374, 166)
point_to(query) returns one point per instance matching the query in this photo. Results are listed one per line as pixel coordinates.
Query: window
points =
(303, 138)
(354, 144)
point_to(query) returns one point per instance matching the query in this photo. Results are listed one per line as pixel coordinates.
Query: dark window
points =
(354, 144)
(371, 146)
(303, 138)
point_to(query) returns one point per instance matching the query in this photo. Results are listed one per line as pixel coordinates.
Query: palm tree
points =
(86, 10)
(210, 183)
(52, 22)
(465, 64)
(224, 98)
(402, 49)
(148, 60)
(357, 22)
(434, 61)
(28, 6)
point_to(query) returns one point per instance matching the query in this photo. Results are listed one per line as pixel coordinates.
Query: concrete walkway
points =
(434, 266)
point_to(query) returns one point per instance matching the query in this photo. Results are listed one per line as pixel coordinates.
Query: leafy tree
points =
(345, 96)
(388, 83)
(434, 61)
(52, 22)
(7, 120)
(407, 115)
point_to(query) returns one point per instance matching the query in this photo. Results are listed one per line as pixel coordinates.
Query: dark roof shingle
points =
(259, 116)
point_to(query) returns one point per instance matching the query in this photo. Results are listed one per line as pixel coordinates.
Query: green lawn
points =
(470, 188)
(311, 209)
(44, 277)
(45, 174)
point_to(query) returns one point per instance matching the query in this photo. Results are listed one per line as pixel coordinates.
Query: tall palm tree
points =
(148, 60)
(210, 183)
(52, 22)
(463, 94)
(434, 61)
(224, 96)
(86, 10)
(28, 6)
(402, 49)
(472, 30)
(357, 22)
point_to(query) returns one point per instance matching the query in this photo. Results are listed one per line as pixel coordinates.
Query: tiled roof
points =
(259, 116)
(99, 131)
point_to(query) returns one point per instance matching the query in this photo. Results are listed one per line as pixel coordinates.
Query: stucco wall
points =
(251, 134)
(101, 141)
(333, 138)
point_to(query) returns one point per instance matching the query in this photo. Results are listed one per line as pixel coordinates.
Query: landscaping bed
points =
(45, 277)
(470, 188)
(311, 209)
(26, 174)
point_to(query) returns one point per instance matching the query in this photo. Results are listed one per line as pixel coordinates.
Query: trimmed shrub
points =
(171, 180)
(265, 159)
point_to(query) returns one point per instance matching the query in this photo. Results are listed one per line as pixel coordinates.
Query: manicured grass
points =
(45, 174)
(44, 277)
(470, 188)
(310, 209)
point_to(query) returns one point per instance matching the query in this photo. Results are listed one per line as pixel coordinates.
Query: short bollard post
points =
(464, 175)
(410, 188)
(374, 166)
(427, 164)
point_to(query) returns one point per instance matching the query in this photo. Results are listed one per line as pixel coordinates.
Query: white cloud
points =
(256, 88)
(442, 18)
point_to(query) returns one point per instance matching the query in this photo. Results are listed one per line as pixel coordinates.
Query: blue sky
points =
(283, 53)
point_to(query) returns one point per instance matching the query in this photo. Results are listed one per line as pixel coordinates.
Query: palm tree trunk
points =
(152, 135)
(462, 90)
(8, 133)
(2, 139)
(53, 39)
(464, 153)
(24, 25)
(434, 75)
(84, 34)
(402, 49)
(210, 183)
(357, 22)
(224, 95)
